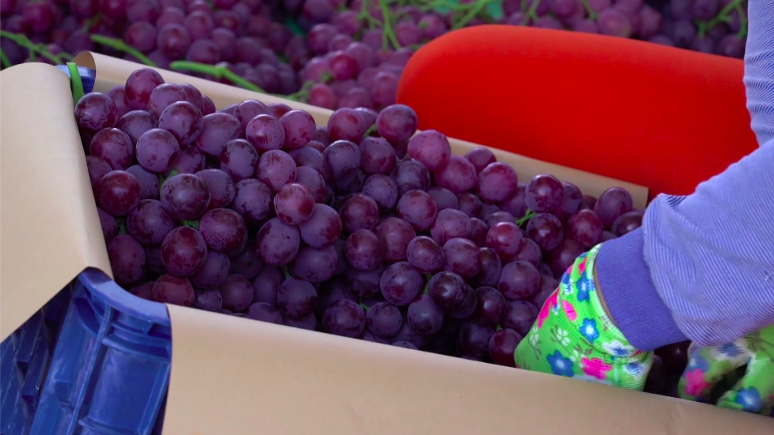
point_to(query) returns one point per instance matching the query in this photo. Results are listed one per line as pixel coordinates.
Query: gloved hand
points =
(710, 367)
(574, 336)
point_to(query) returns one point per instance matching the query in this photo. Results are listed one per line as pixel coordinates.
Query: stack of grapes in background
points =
(361, 228)
(332, 53)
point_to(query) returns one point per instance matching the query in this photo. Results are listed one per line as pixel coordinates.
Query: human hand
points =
(710, 367)
(574, 336)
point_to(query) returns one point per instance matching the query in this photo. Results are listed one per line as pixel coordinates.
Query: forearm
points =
(759, 68)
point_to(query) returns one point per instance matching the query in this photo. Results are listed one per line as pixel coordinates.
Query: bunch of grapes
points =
(362, 228)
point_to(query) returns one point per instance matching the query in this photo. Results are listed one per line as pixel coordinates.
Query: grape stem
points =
(531, 13)
(743, 23)
(192, 224)
(722, 17)
(589, 10)
(34, 49)
(76, 83)
(121, 46)
(362, 305)
(4, 60)
(220, 72)
(527, 216)
(364, 14)
(388, 34)
(475, 10)
(301, 94)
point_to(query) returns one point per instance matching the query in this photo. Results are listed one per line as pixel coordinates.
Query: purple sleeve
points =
(702, 266)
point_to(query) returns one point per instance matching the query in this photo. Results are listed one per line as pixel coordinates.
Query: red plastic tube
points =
(657, 116)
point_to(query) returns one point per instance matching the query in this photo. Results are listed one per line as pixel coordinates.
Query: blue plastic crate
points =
(94, 361)
(102, 368)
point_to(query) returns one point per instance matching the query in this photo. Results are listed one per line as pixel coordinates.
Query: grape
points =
(382, 189)
(491, 307)
(252, 200)
(611, 204)
(384, 320)
(277, 242)
(266, 285)
(363, 250)
(395, 235)
(95, 111)
(149, 182)
(499, 217)
(447, 290)
(183, 120)
(431, 148)
(478, 231)
(264, 313)
(345, 318)
(192, 95)
(546, 230)
(183, 251)
(543, 193)
(276, 168)
(467, 307)
(459, 175)
(185, 196)
(212, 274)
(497, 182)
(461, 256)
(239, 159)
(170, 289)
(135, 123)
(237, 293)
(529, 252)
(614, 23)
(425, 255)
(377, 156)
(139, 85)
(491, 267)
(607, 235)
(417, 208)
(364, 283)
(294, 204)
(173, 40)
(209, 300)
(474, 339)
(343, 159)
(217, 129)
(487, 209)
(469, 204)
(400, 284)
(444, 198)
(143, 291)
(313, 181)
(118, 192)
(480, 157)
(627, 223)
(322, 228)
(570, 203)
(149, 223)
(425, 316)
(265, 133)
(299, 128)
(247, 110)
(657, 377)
(674, 356)
(588, 202)
(127, 259)
(97, 169)
(519, 316)
(224, 230)
(163, 96)
(405, 344)
(359, 212)
(316, 264)
(585, 227)
(113, 146)
(505, 239)
(296, 298)
(502, 346)
(309, 322)
(564, 256)
(347, 125)
(519, 280)
(410, 174)
(155, 149)
(108, 224)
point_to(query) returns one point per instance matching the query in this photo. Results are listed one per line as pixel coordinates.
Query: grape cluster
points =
(331, 53)
(362, 228)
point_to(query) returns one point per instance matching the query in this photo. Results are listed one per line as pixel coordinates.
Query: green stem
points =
(389, 35)
(220, 72)
(722, 16)
(701, 28)
(477, 7)
(589, 10)
(742, 21)
(527, 216)
(75, 82)
(4, 60)
(191, 224)
(531, 13)
(121, 46)
(34, 49)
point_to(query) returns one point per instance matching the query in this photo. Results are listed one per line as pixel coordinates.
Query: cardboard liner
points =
(241, 377)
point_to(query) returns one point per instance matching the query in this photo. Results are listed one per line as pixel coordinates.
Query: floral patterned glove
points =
(708, 368)
(574, 337)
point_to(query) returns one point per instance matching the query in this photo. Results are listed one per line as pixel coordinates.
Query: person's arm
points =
(702, 266)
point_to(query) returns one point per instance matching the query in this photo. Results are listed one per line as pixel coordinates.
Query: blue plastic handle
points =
(88, 76)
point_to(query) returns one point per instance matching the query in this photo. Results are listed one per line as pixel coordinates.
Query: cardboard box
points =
(241, 377)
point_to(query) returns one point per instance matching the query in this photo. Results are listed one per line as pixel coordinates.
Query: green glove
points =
(710, 367)
(574, 337)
